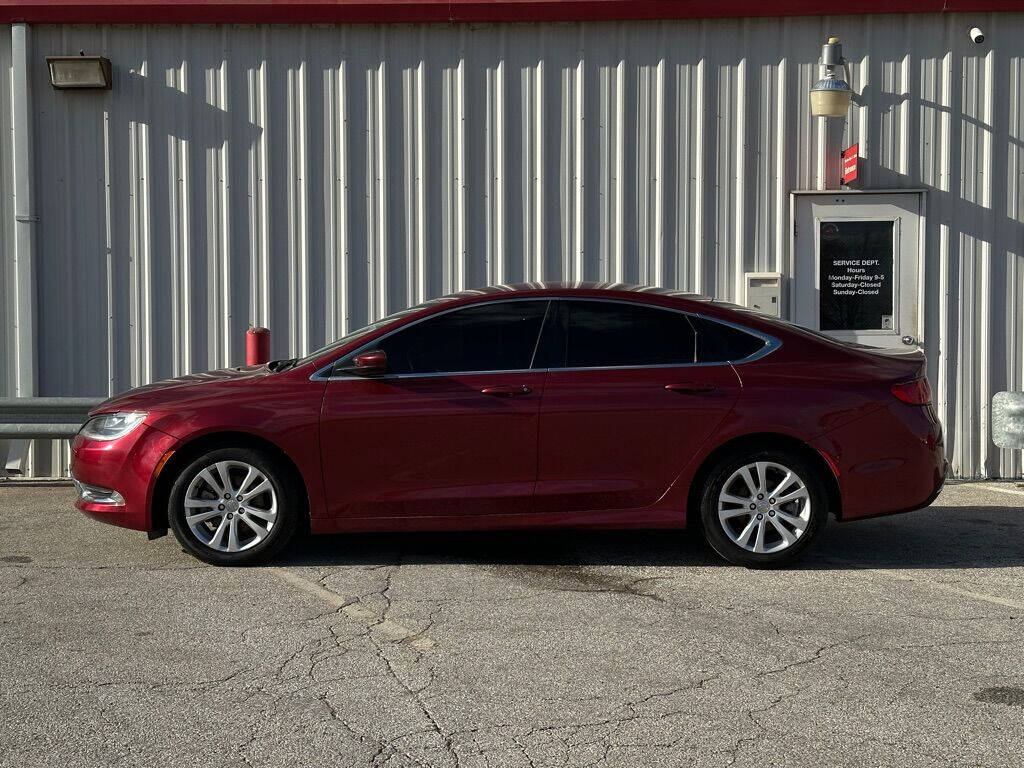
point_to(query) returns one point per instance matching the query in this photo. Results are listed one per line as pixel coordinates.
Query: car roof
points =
(692, 302)
(583, 288)
(578, 286)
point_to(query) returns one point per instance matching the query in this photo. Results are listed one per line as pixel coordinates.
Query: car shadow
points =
(936, 537)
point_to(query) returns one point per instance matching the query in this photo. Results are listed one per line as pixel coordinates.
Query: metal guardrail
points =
(43, 417)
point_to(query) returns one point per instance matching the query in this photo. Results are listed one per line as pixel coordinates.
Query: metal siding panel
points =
(1011, 250)
(7, 285)
(313, 178)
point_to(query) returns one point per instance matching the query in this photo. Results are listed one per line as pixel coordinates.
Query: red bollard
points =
(257, 346)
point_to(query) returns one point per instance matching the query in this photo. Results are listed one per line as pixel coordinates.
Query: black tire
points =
(817, 511)
(288, 508)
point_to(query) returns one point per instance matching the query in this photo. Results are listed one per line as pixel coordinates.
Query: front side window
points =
(604, 334)
(366, 330)
(497, 336)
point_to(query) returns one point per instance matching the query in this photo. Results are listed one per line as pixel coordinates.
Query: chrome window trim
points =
(771, 344)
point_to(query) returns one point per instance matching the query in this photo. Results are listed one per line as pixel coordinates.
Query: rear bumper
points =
(890, 461)
(128, 467)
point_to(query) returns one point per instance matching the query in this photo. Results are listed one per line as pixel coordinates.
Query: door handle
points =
(506, 390)
(691, 388)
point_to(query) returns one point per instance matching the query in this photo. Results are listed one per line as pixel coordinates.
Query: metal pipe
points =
(25, 218)
(24, 299)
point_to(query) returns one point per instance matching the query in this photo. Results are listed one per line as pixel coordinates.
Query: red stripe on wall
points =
(311, 11)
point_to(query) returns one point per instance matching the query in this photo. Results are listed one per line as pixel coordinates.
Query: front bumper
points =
(127, 466)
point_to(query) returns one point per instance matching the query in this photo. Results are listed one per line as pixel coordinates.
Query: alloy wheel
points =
(764, 507)
(230, 506)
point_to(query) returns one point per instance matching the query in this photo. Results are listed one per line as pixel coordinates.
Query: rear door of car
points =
(450, 428)
(626, 404)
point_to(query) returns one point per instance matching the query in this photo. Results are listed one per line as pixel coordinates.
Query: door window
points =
(497, 336)
(856, 271)
(603, 334)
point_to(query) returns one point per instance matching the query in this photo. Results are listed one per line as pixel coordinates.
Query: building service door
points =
(857, 267)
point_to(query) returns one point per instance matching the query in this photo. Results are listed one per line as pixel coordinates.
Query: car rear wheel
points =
(762, 508)
(233, 506)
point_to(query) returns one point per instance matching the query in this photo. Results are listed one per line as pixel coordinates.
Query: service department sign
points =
(856, 275)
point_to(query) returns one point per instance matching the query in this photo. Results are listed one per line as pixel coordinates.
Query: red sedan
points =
(528, 406)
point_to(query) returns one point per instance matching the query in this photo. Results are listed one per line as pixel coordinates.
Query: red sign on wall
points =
(849, 165)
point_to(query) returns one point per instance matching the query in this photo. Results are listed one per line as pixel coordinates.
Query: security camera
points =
(977, 35)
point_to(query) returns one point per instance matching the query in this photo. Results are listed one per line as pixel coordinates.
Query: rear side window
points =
(498, 336)
(611, 334)
(718, 343)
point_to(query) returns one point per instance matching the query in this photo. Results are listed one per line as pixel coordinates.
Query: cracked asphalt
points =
(897, 641)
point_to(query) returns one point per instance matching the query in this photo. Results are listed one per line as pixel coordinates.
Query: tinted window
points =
(606, 334)
(717, 343)
(499, 336)
(366, 329)
(551, 347)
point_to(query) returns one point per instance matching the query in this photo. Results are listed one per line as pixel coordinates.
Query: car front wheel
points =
(233, 506)
(763, 508)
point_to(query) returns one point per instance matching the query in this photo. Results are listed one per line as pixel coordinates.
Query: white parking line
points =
(1015, 604)
(882, 575)
(1001, 489)
(355, 610)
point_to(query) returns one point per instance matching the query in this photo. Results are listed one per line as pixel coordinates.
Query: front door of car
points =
(450, 428)
(625, 406)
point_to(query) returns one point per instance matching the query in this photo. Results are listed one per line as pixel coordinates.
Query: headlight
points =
(110, 426)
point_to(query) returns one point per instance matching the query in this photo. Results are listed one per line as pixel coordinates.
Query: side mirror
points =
(372, 363)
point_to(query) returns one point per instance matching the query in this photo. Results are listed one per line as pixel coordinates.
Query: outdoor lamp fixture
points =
(79, 71)
(830, 96)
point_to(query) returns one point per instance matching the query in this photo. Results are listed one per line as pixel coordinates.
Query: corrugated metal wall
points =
(312, 178)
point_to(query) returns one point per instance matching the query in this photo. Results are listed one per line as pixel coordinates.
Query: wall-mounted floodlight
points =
(830, 96)
(79, 71)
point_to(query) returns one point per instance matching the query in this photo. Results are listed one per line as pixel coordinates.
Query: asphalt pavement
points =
(896, 642)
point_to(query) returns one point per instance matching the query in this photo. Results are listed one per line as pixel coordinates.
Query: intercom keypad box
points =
(764, 292)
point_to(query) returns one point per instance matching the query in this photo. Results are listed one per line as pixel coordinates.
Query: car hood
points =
(182, 388)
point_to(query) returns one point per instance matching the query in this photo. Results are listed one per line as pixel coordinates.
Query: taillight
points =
(916, 392)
